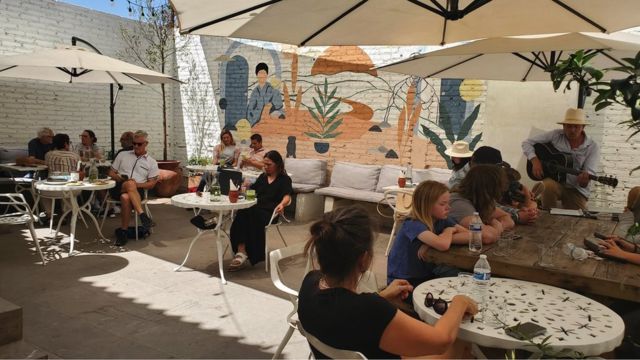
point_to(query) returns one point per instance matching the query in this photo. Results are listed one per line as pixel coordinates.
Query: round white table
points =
(573, 321)
(202, 168)
(69, 191)
(191, 200)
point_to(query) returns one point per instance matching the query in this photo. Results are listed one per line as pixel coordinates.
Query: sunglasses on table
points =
(439, 305)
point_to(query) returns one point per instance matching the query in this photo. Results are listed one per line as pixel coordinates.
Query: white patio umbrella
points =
(399, 22)
(73, 64)
(520, 58)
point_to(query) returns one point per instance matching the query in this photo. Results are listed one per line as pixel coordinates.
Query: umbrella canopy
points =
(399, 22)
(525, 58)
(73, 64)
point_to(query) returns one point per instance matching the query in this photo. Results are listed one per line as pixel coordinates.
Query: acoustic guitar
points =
(556, 165)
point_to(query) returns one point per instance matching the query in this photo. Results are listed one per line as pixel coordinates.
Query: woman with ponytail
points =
(330, 309)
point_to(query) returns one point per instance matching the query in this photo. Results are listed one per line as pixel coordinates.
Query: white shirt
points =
(139, 168)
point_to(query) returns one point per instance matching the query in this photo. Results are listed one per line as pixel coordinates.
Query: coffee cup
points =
(233, 196)
(402, 182)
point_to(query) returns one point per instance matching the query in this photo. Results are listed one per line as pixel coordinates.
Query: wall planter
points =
(321, 147)
(170, 178)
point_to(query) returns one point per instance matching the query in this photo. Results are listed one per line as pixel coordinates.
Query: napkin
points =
(232, 186)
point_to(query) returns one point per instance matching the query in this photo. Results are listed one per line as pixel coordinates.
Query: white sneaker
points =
(116, 209)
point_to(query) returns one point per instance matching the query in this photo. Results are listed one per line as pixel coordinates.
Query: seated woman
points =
(88, 147)
(330, 309)
(226, 153)
(480, 192)
(427, 226)
(273, 191)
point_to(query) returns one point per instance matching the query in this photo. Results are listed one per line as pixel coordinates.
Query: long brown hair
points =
(483, 186)
(424, 197)
(339, 239)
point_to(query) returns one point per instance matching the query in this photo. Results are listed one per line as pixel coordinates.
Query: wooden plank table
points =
(607, 277)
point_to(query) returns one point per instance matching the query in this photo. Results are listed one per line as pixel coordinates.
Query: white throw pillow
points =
(307, 171)
(355, 176)
(389, 176)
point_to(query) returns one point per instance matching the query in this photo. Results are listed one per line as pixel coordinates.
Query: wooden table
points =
(608, 278)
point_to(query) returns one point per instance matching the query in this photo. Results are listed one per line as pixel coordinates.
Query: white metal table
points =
(202, 168)
(69, 192)
(191, 200)
(573, 321)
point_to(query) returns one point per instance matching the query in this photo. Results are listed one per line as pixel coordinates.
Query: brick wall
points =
(27, 105)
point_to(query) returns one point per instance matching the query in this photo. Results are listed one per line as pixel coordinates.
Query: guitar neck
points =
(601, 179)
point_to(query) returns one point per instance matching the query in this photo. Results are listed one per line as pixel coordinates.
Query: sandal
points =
(239, 262)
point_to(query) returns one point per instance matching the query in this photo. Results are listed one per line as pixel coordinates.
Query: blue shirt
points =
(403, 261)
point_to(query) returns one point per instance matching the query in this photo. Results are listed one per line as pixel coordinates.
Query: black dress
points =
(248, 226)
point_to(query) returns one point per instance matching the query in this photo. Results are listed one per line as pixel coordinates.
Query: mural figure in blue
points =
(262, 95)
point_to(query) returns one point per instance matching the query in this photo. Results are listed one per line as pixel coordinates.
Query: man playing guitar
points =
(574, 192)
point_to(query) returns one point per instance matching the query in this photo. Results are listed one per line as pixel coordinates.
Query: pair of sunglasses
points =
(439, 306)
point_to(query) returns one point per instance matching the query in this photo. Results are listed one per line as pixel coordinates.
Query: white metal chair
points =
(401, 201)
(275, 221)
(327, 350)
(19, 213)
(367, 284)
(109, 202)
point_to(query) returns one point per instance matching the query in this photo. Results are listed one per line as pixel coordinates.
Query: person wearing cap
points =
(572, 139)
(460, 157)
(483, 155)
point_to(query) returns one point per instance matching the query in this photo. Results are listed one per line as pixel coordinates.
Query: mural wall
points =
(331, 103)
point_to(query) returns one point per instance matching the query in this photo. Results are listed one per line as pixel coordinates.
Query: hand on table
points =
(471, 307)
(527, 215)
(622, 243)
(609, 247)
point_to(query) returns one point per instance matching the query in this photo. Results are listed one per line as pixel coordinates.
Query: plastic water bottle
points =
(481, 280)
(575, 252)
(475, 243)
(408, 175)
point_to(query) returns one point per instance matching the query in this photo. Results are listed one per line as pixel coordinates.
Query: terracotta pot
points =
(169, 182)
(169, 164)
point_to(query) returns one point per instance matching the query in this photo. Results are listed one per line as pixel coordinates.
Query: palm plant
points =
(325, 114)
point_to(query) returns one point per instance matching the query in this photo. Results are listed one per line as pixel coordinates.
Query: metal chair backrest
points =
(327, 350)
(15, 202)
(401, 201)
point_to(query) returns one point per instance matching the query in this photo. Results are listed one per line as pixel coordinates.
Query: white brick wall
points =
(25, 105)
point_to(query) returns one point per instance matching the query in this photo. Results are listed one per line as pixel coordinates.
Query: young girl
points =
(426, 227)
(331, 309)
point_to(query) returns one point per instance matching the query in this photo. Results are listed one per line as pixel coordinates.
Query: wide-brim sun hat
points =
(459, 149)
(574, 117)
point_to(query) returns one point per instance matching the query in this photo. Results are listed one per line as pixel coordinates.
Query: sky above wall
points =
(115, 7)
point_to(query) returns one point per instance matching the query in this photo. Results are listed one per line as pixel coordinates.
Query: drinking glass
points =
(503, 246)
(545, 255)
(251, 194)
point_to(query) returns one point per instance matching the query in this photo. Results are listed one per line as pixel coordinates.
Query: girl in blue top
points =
(426, 227)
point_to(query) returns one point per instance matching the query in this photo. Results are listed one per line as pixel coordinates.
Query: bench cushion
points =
(389, 176)
(435, 174)
(304, 188)
(355, 176)
(352, 194)
(307, 171)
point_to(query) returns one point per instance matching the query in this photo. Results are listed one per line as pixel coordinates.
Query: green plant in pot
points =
(325, 114)
(576, 68)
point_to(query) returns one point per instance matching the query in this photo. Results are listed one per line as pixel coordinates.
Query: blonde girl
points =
(426, 227)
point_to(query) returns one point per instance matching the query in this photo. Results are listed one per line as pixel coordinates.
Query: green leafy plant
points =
(576, 68)
(446, 124)
(625, 92)
(325, 114)
(199, 160)
(542, 349)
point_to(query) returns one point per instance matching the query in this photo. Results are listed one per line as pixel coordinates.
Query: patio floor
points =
(108, 302)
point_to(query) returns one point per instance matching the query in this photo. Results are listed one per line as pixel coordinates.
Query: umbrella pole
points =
(112, 114)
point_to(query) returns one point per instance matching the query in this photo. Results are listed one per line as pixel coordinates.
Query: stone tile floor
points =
(109, 302)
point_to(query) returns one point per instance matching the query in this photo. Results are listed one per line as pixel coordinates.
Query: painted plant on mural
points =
(334, 98)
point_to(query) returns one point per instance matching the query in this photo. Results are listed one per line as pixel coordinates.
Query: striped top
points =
(61, 160)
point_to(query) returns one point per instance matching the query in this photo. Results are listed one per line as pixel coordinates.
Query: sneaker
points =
(116, 209)
(146, 221)
(200, 222)
(121, 237)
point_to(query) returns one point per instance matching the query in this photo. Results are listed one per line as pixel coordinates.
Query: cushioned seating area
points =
(307, 175)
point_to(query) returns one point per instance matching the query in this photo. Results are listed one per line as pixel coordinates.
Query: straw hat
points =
(459, 149)
(574, 117)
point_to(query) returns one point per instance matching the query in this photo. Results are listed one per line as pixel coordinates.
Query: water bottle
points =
(408, 175)
(475, 243)
(575, 252)
(93, 171)
(481, 280)
(214, 189)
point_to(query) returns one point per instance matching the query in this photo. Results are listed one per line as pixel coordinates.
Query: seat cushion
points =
(304, 188)
(355, 176)
(307, 171)
(351, 194)
(435, 174)
(389, 176)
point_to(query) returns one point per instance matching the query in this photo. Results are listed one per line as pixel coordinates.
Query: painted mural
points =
(320, 106)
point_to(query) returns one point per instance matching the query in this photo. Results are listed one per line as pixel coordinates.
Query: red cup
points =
(233, 196)
(402, 182)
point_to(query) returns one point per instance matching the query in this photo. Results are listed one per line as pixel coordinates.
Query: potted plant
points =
(325, 115)
(576, 68)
